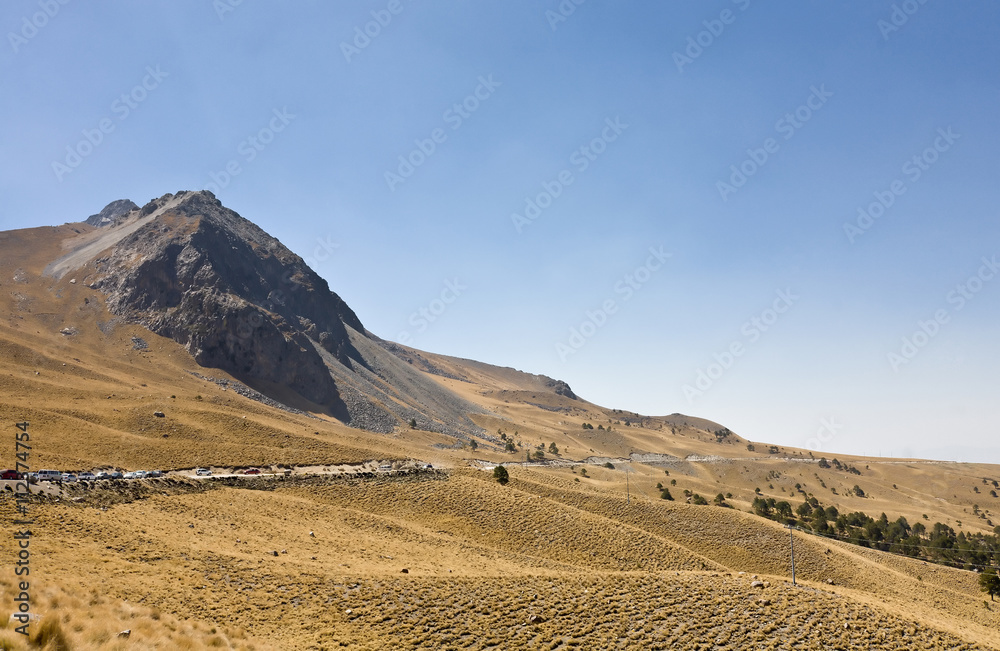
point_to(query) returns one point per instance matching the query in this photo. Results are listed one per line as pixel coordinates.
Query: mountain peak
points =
(188, 268)
(113, 213)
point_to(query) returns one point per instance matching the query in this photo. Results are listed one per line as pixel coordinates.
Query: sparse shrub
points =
(501, 475)
(510, 447)
(609, 465)
(553, 449)
(413, 423)
(699, 500)
(665, 495)
(750, 447)
(858, 491)
(49, 636)
(673, 482)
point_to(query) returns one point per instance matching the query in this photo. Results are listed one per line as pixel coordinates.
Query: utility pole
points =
(628, 493)
(791, 539)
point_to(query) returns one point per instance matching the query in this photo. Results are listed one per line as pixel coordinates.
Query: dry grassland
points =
(192, 565)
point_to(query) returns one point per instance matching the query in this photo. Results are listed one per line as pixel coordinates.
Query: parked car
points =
(385, 467)
(86, 476)
(154, 473)
(32, 477)
(103, 475)
(134, 474)
(10, 474)
(68, 477)
(252, 471)
(203, 472)
(49, 475)
(115, 474)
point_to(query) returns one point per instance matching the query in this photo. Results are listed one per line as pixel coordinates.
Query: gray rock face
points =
(113, 213)
(192, 270)
(234, 296)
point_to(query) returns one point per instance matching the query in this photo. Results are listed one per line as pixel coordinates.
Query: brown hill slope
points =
(589, 549)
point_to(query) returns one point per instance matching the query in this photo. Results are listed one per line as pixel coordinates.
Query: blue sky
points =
(779, 216)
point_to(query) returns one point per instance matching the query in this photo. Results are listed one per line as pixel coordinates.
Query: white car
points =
(102, 475)
(68, 477)
(132, 475)
(86, 476)
(203, 472)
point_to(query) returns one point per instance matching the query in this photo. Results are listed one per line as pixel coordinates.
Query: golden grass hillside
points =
(567, 555)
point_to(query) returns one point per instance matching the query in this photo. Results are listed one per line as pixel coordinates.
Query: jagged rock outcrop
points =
(113, 213)
(239, 300)
(190, 269)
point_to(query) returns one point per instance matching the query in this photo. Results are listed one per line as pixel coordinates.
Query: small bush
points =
(50, 636)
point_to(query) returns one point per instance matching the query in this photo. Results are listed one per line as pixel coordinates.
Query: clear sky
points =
(781, 216)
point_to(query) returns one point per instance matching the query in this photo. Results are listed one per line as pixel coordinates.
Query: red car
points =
(10, 474)
(252, 471)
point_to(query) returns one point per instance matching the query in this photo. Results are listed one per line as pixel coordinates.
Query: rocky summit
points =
(188, 268)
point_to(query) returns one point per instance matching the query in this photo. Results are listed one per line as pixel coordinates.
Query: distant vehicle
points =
(68, 477)
(385, 467)
(141, 474)
(132, 475)
(32, 476)
(86, 476)
(203, 472)
(102, 475)
(428, 466)
(115, 474)
(252, 471)
(49, 475)
(10, 474)
(154, 473)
